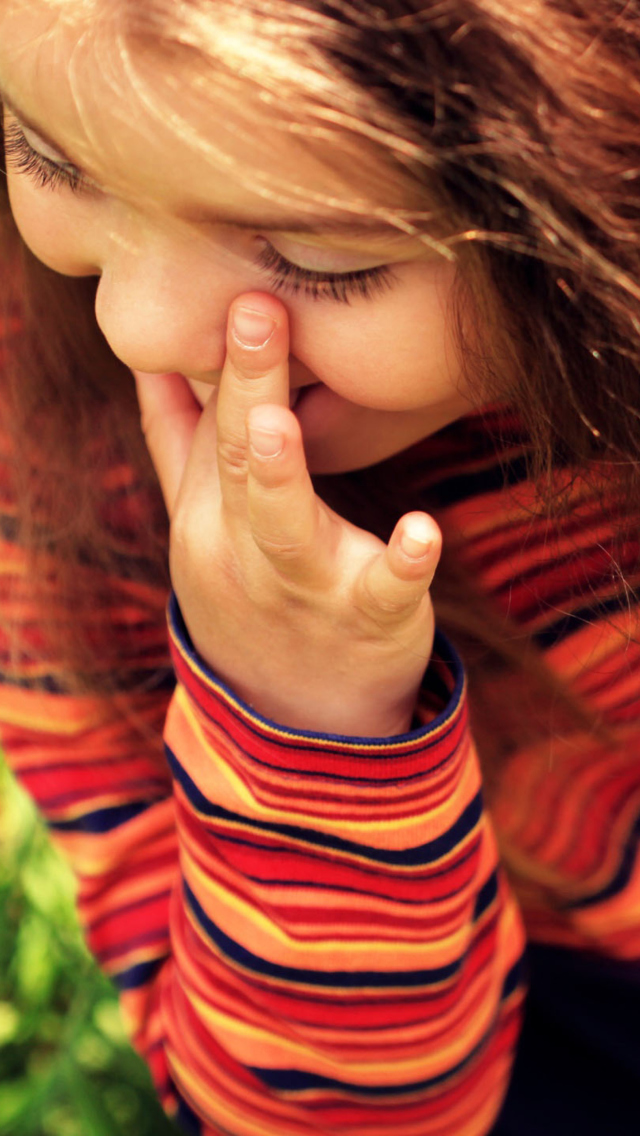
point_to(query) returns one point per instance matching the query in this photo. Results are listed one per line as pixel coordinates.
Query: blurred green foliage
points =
(66, 1068)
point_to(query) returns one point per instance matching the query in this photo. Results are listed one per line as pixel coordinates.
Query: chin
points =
(330, 460)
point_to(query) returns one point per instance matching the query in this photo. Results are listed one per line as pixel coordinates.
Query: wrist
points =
(312, 703)
(438, 702)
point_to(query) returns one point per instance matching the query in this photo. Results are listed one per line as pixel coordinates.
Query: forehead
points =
(151, 117)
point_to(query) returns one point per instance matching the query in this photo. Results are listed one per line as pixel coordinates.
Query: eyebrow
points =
(346, 224)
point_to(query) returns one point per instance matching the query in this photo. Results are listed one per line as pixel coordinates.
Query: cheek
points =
(53, 233)
(394, 353)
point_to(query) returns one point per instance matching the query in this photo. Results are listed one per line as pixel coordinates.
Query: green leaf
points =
(34, 962)
(9, 1022)
(108, 1019)
(14, 1099)
(91, 1112)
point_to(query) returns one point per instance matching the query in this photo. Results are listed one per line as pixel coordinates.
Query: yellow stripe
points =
(256, 919)
(236, 1121)
(309, 1059)
(282, 732)
(423, 820)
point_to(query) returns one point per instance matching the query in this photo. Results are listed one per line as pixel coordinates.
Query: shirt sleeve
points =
(346, 956)
(309, 933)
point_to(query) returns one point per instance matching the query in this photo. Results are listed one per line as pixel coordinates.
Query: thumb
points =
(169, 414)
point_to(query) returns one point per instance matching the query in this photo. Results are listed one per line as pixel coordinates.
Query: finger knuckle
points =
(389, 607)
(281, 549)
(232, 454)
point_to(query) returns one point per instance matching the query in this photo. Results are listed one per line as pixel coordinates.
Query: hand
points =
(313, 622)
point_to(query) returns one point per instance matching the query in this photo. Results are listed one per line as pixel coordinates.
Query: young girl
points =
(375, 271)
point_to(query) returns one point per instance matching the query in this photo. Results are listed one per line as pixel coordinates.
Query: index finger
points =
(256, 371)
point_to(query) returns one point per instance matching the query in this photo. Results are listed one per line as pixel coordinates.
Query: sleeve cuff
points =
(444, 680)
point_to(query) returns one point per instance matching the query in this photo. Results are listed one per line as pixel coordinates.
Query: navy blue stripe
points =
(486, 896)
(137, 976)
(346, 979)
(292, 1080)
(127, 566)
(576, 620)
(146, 681)
(406, 857)
(622, 876)
(466, 486)
(443, 651)
(186, 1118)
(350, 778)
(102, 820)
(516, 977)
(362, 871)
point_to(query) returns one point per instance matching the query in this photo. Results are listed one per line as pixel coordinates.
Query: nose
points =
(162, 306)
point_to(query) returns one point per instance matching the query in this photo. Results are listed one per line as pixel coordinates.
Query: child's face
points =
(386, 361)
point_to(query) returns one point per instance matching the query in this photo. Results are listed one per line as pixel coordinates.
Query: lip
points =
(296, 393)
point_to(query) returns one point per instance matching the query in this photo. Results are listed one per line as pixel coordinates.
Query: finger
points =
(169, 414)
(256, 371)
(394, 584)
(283, 510)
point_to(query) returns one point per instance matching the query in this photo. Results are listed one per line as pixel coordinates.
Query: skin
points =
(262, 569)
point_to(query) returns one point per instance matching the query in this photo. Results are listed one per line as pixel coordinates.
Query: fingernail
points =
(266, 443)
(252, 329)
(416, 539)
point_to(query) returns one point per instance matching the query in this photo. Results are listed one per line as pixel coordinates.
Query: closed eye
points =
(46, 173)
(284, 276)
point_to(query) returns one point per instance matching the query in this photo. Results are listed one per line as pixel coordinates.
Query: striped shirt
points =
(316, 933)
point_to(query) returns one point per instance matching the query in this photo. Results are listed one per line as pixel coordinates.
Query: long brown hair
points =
(520, 121)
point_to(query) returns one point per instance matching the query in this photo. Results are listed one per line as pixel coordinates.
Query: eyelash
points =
(283, 275)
